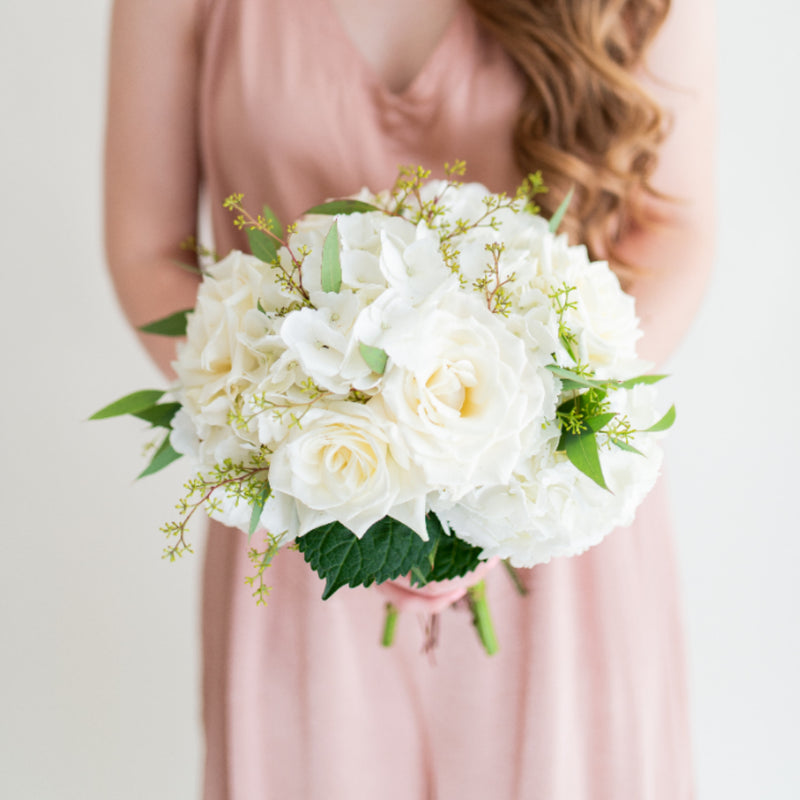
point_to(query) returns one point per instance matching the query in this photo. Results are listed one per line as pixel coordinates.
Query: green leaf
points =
(160, 415)
(565, 340)
(273, 222)
(555, 220)
(334, 207)
(164, 456)
(599, 421)
(262, 246)
(575, 379)
(628, 448)
(453, 558)
(646, 379)
(258, 507)
(130, 404)
(665, 422)
(331, 266)
(582, 451)
(173, 325)
(375, 357)
(387, 550)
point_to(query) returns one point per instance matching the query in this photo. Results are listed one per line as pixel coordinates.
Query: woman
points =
(292, 102)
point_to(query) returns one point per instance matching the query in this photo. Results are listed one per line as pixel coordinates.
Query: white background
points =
(98, 667)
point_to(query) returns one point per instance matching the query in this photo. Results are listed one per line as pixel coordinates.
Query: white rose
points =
(344, 462)
(460, 388)
(229, 344)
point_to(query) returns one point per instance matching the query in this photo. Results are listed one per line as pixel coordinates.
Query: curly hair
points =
(585, 121)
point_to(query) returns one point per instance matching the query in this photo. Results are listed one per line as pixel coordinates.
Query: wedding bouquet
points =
(407, 384)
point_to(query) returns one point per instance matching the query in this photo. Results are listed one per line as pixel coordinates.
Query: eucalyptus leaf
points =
(258, 507)
(375, 357)
(575, 378)
(565, 340)
(273, 222)
(159, 415)
(639, 379)
(164, 456)
(263, 247)
(599, 421)
(664, 423)
(130, 404)
(583, 452)
(331, 265)
(556, 219)
(334, 207)
(173, 325)
(568, 385)
(628, 448)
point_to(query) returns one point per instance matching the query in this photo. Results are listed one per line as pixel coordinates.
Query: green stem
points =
(515, 579)
(481, 618)
(389, 625)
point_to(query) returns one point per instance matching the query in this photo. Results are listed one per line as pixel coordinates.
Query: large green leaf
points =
(159, 415)
(164, 456)
(331, 265)
(386, 551)
(262, 246)
(583, 452)
(334, 207)
(130, 404)
(665, 422)
(453, 558)
(173, 325)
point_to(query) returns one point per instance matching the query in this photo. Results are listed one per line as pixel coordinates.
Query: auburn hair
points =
(585, 121)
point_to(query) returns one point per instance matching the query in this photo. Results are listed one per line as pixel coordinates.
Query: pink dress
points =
(586, 699)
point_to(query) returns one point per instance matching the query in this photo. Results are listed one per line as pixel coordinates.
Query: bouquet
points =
(409, 383)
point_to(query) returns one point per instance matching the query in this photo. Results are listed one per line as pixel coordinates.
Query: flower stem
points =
(481, 618)
(389, 625)
(515, 579)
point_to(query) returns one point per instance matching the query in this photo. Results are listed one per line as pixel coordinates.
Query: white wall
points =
(98, 672)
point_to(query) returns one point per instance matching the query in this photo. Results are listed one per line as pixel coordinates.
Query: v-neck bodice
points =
(291, 112)
(438, 56)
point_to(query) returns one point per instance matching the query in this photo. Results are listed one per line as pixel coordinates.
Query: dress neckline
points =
(444, 53)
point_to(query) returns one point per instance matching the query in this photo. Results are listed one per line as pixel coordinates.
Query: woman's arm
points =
(676, 258)
(151, 160)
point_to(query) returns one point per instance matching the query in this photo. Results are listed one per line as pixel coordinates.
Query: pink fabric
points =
(586, 699)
